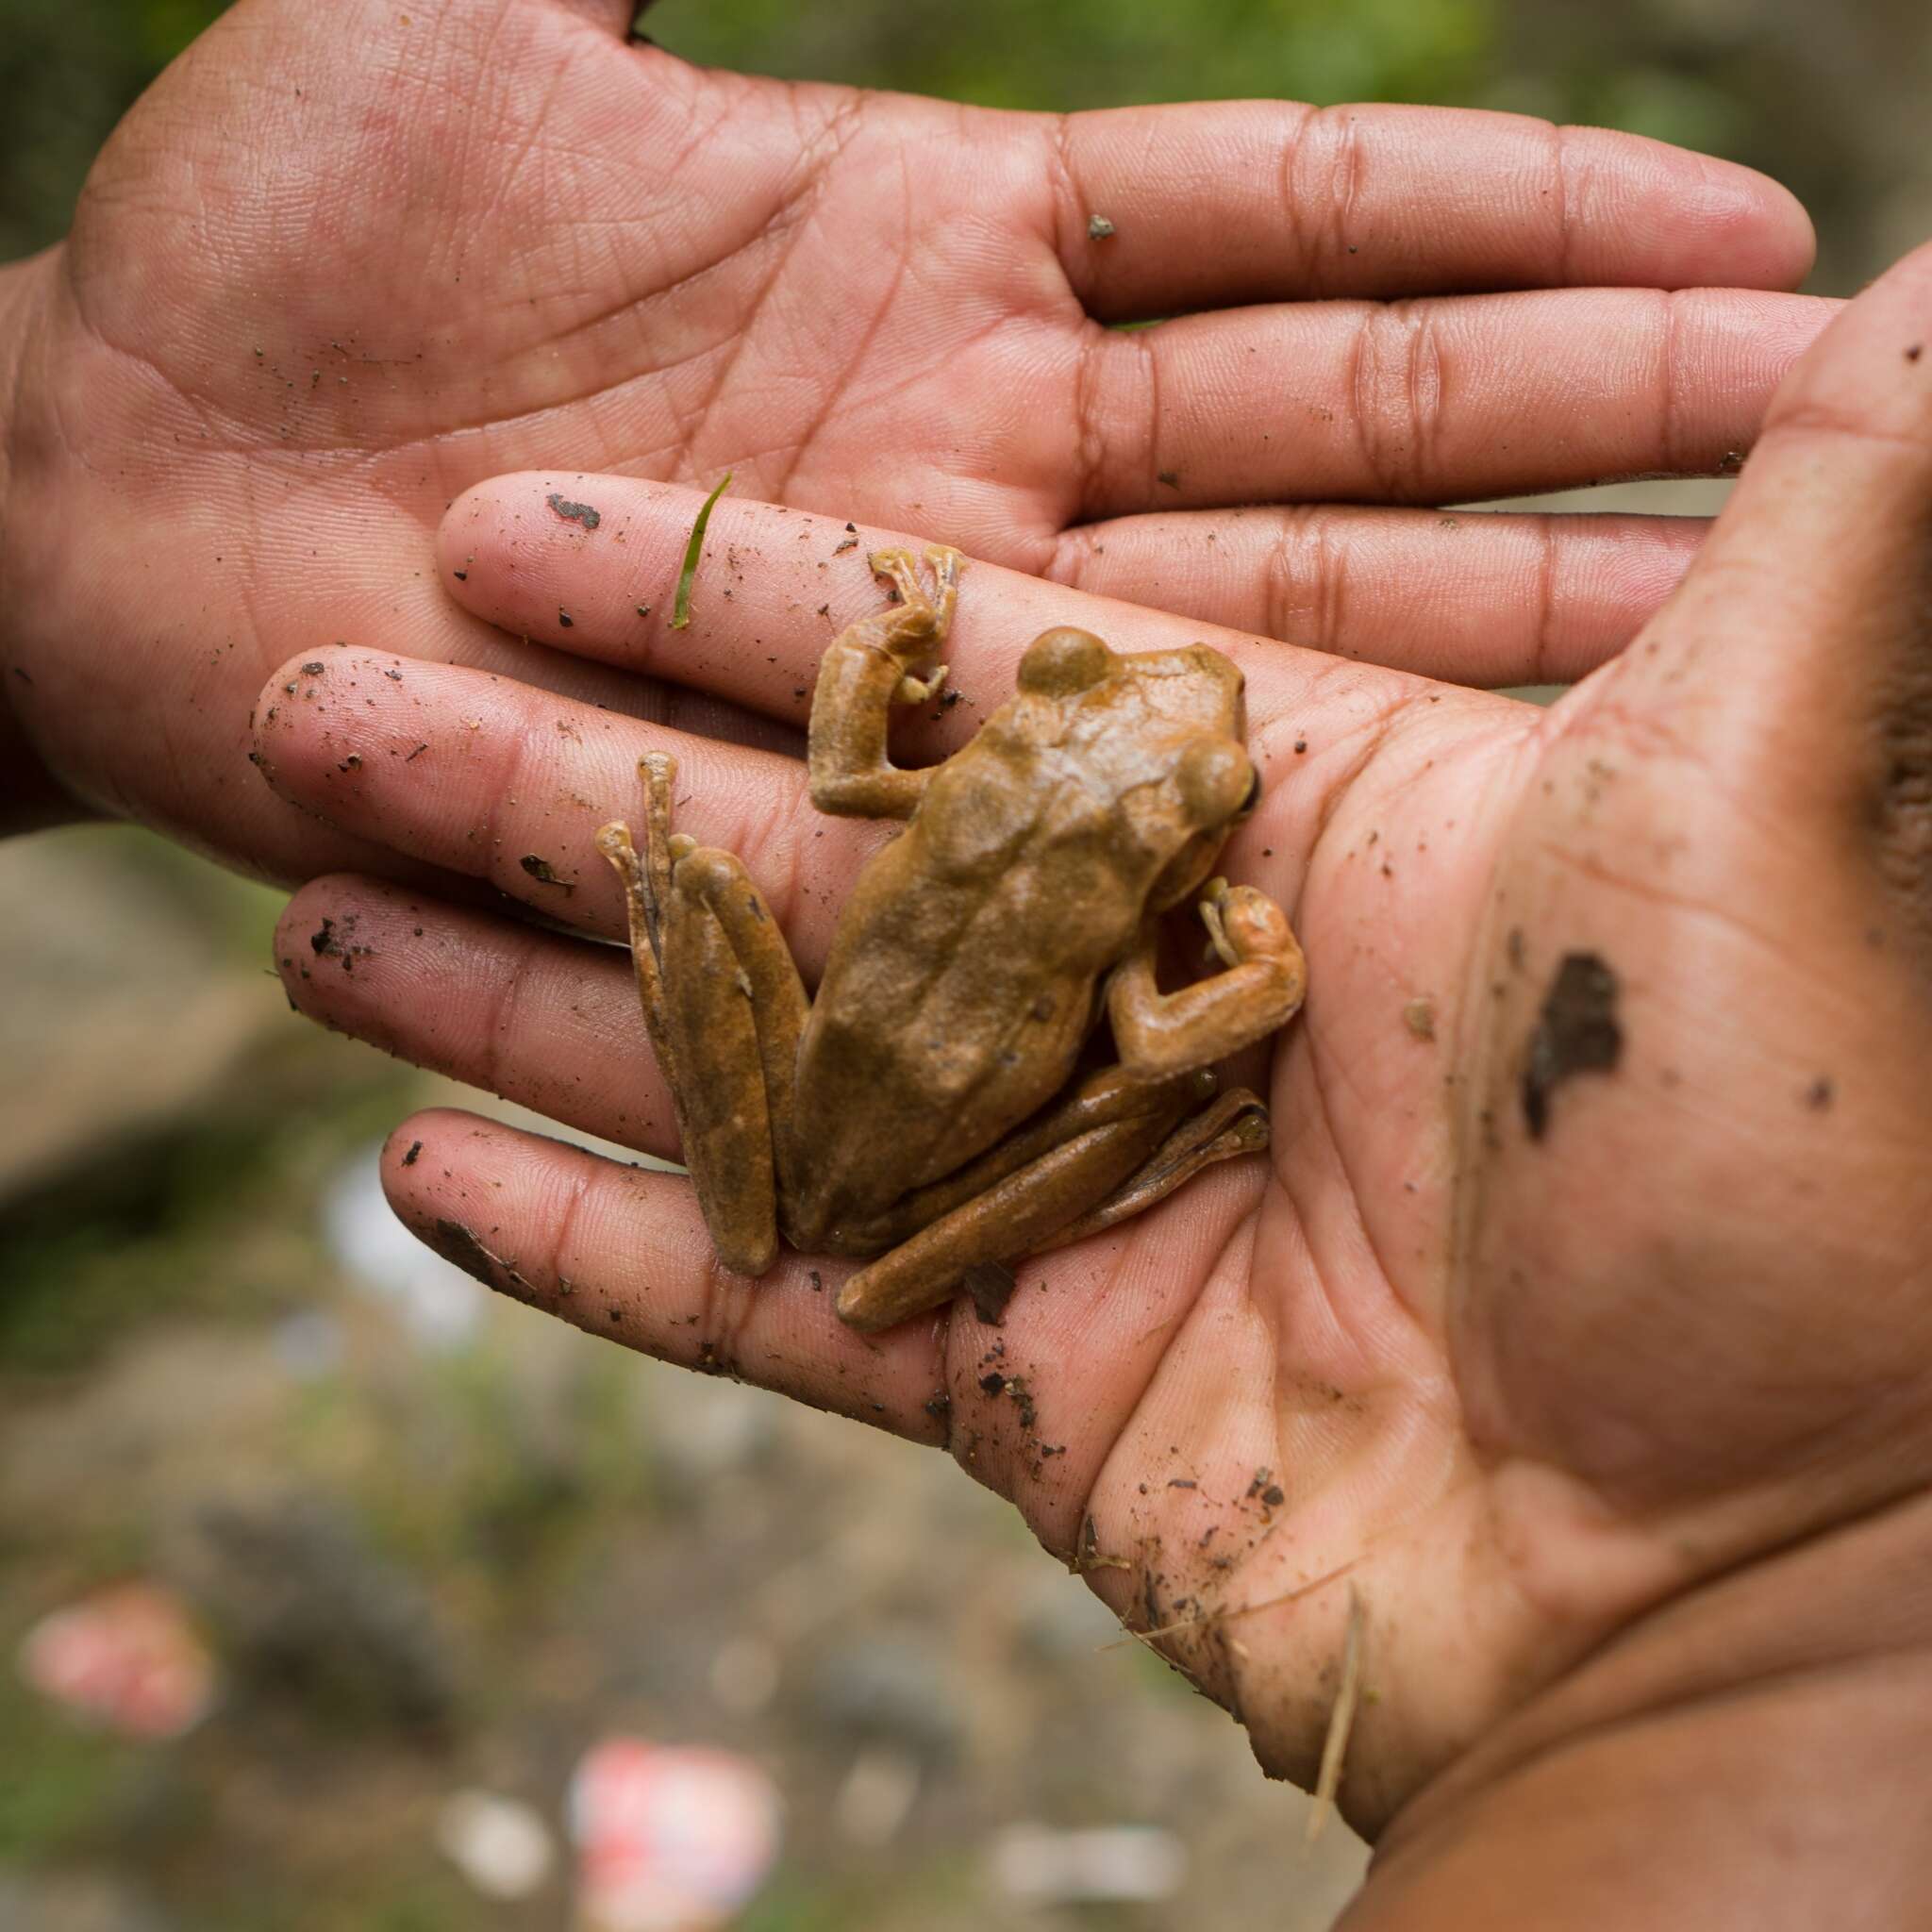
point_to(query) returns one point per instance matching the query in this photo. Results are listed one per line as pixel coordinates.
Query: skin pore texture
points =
(1574, 1325)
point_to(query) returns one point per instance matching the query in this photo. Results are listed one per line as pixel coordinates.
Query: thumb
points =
(1797, 655)
(624, 17)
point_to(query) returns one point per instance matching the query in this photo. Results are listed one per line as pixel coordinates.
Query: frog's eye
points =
(1063, 660)
(1217, 781)
(1245, 809)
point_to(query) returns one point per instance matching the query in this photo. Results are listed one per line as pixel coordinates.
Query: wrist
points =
(1753, 1747)
(30, 798)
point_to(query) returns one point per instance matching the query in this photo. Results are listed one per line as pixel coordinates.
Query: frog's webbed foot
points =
(725, 1008)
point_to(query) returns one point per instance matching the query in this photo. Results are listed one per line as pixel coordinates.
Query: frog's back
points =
(961, 983)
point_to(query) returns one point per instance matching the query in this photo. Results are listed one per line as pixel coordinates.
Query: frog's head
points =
(1178, 717)
(1217, 787)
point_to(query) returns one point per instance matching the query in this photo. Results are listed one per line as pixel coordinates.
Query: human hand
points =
(343, 260)
(1518, 1335)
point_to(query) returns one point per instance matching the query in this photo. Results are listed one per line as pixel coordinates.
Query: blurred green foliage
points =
(68, 73)
(1099, 53)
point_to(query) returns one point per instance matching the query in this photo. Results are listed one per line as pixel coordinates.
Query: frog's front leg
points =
(725, 1008)
(1261, 989)
(865, 670)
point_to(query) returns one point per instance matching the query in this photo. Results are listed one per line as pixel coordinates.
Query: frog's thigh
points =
(709, 1013)
(1012, 1217)
(1099, 1101)
(1233, 1124)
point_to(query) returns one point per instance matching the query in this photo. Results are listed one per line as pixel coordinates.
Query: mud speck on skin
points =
(1023, 1401)
(539, 868)
(1419, 1016)
(459, 1245)
(414, 1155)
(991, 1284)
(336, 940)
(1577, 1032)
(574, 513)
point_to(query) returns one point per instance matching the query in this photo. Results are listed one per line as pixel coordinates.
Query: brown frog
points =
(923, 1110)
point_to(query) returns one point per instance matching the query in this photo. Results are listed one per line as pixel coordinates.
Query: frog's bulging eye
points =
(1063, 660)
(1216, 781)
(1245, 809)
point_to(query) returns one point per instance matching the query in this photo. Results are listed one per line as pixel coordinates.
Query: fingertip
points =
(311, 739)
(1871, 370)
(302, 931)
(1750, 231)
(410, 1159)
(472, 542)
(1668, 217)
(548, 556)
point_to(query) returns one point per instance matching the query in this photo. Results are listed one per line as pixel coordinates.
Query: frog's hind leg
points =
(1114, 1150)
(725, 1008)
(1234, 1123)
(1076, 1158)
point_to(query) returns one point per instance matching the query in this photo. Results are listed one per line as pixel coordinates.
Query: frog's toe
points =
(919, 691)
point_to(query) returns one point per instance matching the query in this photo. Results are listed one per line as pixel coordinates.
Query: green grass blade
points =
(680, 613)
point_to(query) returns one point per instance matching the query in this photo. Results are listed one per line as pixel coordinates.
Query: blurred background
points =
(390, 1561)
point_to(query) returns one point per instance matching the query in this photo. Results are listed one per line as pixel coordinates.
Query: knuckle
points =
(1397, 388)
(1326, 180)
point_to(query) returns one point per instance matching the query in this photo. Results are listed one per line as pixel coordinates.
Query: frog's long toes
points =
(1213, 904)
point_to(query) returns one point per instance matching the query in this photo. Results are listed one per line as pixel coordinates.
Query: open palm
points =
(1610, 1058)
(345, 260)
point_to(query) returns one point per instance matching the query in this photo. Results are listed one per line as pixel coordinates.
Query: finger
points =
(1385, 201)
(1433, 401)
(546, 1021)
(774, 587)
(621, 1251)
(505, 783)
(1481, 598)
(1033, 1407)
(1812, 593)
